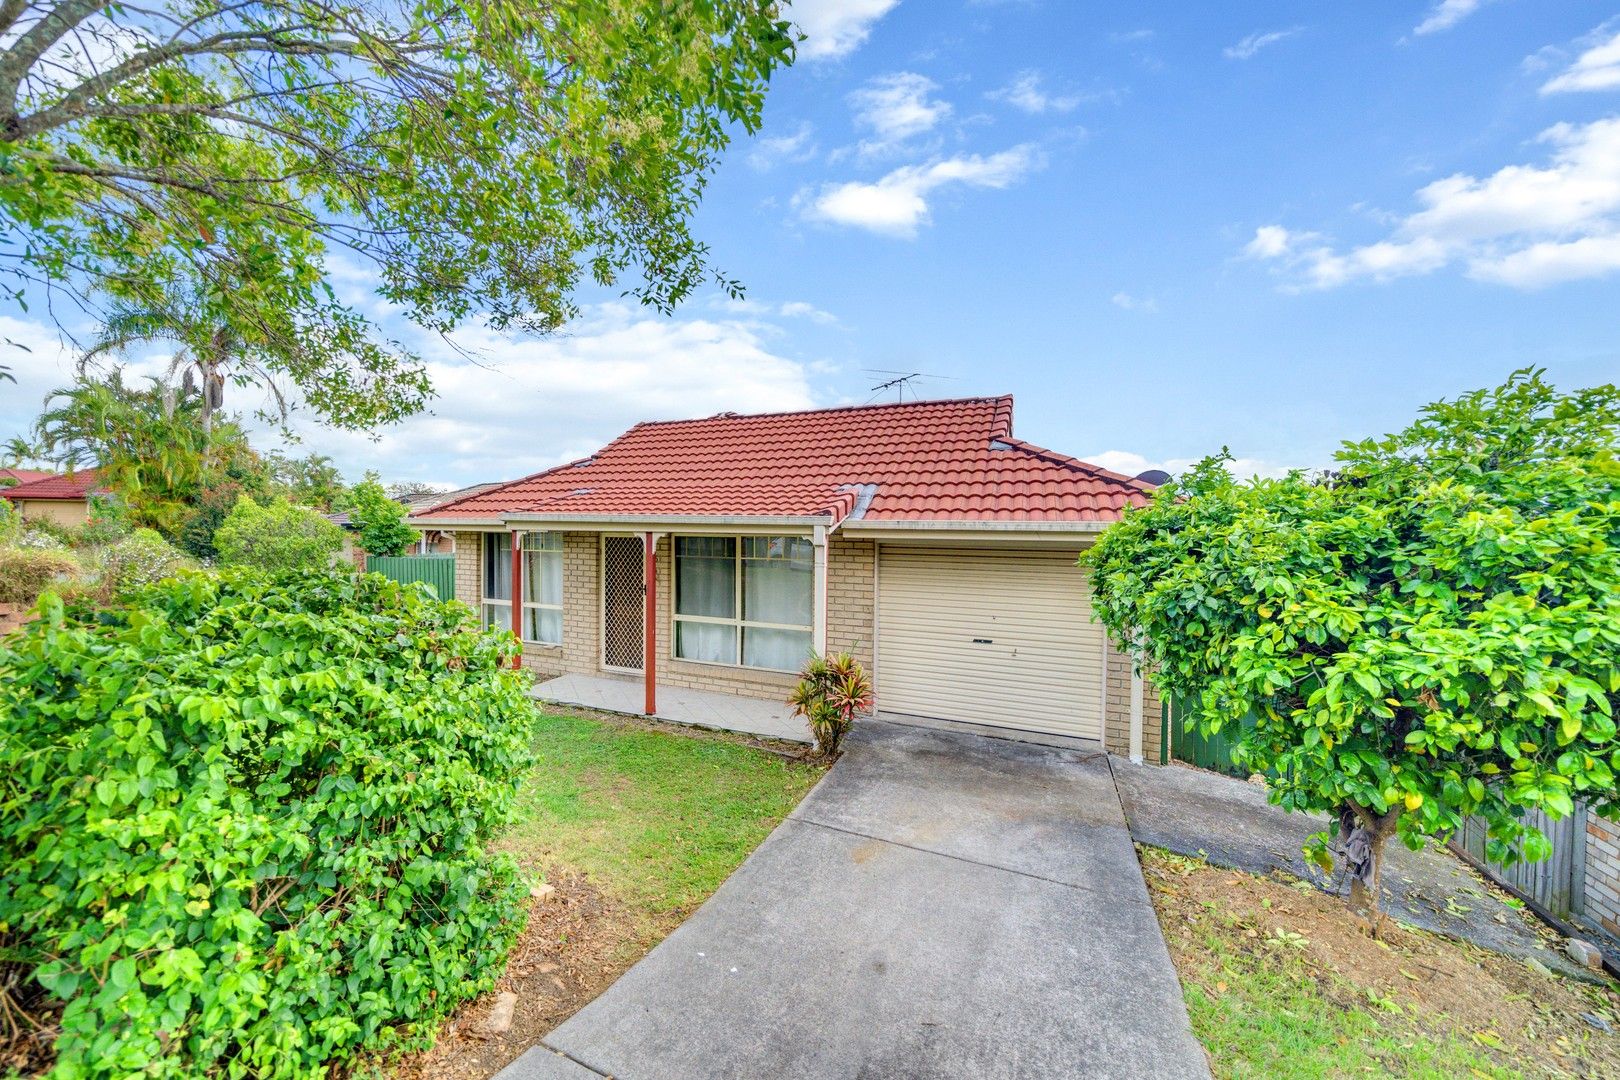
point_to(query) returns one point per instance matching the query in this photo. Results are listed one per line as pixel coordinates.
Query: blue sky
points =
(1163, 227)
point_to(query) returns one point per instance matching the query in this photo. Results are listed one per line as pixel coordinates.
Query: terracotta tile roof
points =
(930, 460)
(22, 476)
(67, 488)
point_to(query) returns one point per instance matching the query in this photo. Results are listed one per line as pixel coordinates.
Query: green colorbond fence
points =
(1186, 743)
(438, 571)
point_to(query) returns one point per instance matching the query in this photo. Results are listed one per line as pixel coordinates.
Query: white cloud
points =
(525, 403)
(1524, 225)
(835, 28)
(1445, 15)
(1598, 68)
(895, 108)
(1145, 304)
(1270, 241)
(769, 151)
(1025, 92)
(520, 403)
(897, 204)
(799, 309)
(766, 309)
(1252, 44)
(1133, 464)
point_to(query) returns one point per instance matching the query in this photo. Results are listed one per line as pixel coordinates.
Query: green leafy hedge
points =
(241, 818)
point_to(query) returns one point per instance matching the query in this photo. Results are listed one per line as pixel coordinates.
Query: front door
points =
(623, 594)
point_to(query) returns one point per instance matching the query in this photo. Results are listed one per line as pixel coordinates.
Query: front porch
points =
(677, 704)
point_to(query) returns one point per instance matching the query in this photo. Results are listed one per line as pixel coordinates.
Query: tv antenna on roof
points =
(898, 383)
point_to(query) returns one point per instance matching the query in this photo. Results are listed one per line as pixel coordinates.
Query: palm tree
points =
(209, 354)
(149, 448)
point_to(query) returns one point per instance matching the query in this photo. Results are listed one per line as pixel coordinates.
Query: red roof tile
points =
(22, 476)
(79, 485)
(930, 460)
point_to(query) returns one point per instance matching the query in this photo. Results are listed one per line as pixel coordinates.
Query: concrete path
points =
(1230, 823)
(678, 705)
(940, 906)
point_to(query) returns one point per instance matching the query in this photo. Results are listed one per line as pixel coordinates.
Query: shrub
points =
(45, 533)
(197, 531)
(241, 820)
(831, 691)
(277, 536)
(25, 572)
(10, 520)
(109, 522)
(379, 519)
(139, 559)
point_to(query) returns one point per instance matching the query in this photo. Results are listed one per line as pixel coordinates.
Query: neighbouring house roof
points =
(420, 500)
(921, 461)
(23, 476)
(68, 488)
(426, 500)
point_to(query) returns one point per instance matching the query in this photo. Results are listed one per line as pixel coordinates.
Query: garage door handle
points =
(983, 641)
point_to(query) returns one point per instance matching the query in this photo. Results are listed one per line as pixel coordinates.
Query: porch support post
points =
(818, 638)
(517, 597)
(1136, 707)
(649, 635)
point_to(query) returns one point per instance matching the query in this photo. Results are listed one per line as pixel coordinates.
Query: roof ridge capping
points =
(1003, 411)
(1070, 462)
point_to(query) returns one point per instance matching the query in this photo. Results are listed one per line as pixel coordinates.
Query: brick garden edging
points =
(13, 616)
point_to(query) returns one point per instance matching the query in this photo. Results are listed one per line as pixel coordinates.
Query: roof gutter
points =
(974, 525)
(638, 522)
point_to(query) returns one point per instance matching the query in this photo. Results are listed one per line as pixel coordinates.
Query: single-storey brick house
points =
(716, 554)
(63, 500)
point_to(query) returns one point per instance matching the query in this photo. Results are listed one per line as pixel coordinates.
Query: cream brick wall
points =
(850, 605)
(1117, 709)
(1603, 874)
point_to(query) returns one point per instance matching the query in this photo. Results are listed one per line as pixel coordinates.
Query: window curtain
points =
(497, 566)
(781, 650)
(706, 576)
(715, 643)
(778, 581)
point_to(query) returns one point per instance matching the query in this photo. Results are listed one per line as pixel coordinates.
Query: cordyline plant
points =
(1429, 632)
(242, 823)
(832, 691)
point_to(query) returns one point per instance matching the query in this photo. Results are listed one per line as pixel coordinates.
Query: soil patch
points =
(575, 945)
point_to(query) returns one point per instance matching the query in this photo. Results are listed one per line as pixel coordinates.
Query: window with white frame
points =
(744, 600)
(541, 572)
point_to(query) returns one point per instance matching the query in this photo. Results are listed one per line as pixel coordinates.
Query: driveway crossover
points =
(940, 906)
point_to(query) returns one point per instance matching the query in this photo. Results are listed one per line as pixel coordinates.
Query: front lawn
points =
(1281, 982)
(634, 825)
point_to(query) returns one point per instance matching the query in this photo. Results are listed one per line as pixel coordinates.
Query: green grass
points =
(656, 819)
(1273, 1021)
(1264, 1007)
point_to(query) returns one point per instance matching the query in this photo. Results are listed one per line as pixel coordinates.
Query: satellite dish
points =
(1153, 476)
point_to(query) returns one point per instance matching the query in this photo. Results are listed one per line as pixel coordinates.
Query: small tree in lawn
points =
(1429, 632)
(380, 521)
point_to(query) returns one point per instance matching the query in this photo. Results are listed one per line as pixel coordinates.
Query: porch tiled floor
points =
(700, 708)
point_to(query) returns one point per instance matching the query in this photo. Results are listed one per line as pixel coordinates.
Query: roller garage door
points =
(989, 637)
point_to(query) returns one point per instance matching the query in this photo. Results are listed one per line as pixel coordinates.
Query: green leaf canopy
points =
(1431, 629)
(484, 157)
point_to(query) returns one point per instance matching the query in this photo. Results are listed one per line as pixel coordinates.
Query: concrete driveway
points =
(941, 905)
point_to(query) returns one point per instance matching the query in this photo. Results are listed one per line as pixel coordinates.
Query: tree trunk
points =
(1364, 882)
